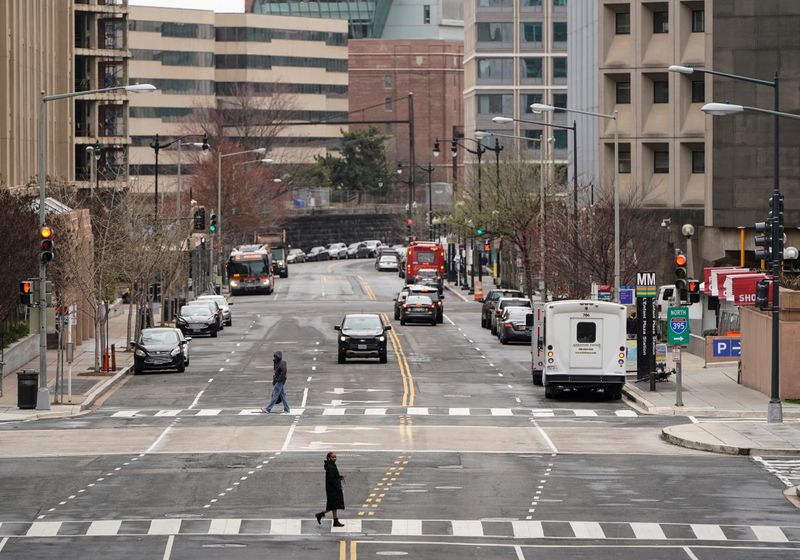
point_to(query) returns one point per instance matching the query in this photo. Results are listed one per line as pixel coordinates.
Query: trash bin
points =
(27, 387)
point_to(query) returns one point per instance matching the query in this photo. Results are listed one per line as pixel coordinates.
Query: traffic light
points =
(694, 291)
(213, 226)
(762, 293)
(681, 278)
(200, 219)
(763, 241)
(46, 235)
(409, 222)
(454, 147)
(479, 231)
(26, 292)
(486, 246)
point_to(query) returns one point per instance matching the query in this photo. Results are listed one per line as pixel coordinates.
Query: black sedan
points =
(158, 349)
(362, 335)
(318, 254)
(197, 319)
(418, 308)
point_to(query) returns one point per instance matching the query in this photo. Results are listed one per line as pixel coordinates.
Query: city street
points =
(448, 451)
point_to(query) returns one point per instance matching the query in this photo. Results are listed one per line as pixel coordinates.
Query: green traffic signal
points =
(479, 231)
(213, 228)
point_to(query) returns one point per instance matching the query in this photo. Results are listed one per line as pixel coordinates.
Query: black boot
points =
(337, 524)
(319, 517)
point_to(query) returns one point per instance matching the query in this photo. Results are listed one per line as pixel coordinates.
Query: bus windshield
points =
(426, 257)
(249, 267)
(277, 253)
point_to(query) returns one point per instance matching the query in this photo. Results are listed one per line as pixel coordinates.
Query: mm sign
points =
(678, 325)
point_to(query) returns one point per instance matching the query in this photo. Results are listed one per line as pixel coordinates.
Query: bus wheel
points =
(549, 392)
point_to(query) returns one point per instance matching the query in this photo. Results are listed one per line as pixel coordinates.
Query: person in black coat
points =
(333, 490)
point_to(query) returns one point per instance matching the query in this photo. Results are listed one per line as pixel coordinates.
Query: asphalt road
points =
(449, 451)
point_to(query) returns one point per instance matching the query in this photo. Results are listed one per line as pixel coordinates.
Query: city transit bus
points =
(250, 272)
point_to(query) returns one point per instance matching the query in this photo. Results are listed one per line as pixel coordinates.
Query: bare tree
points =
(19, 250)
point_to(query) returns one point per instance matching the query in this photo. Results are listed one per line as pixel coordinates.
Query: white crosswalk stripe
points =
(501, 412)
(386, 411)
(375, 412)
(334, 412)
(786, 470)
(125, 414)
(209, 411)
(517, 529)
(167, 412)
(459, 412)
(625, 413)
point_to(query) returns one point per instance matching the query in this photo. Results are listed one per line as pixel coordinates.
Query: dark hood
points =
(278, 355)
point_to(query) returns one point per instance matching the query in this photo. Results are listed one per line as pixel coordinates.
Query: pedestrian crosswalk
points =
(786, 470)
(383, 411)
(462, 528)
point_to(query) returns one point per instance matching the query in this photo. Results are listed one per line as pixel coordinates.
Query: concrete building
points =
(35, 50)
(515, 54)
(378, 19)
(715, 172)
(383, 72)
(206, 59)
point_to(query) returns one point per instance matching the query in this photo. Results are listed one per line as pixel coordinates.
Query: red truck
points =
(425, 261)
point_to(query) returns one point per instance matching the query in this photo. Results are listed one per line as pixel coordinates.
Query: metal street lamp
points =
(540, 108)
(43, 394)
(725, 109)
(96, 152)
(199, 145)
(774, 409)
(157, 147)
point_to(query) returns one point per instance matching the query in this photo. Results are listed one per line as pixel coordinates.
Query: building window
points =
(387, 82)
(529, 99)
(532, 32)
(698, 21)
(560, 137)
(387, 103)
(532, 3)
(560, 101)
(660, 162)
(559, 32)
(534, 137)
(495, 3)
(559, 68)
(623, 23)
(532, 67)
(660, 91)
(561, 3)
(625, 159)
(698, 161)
(623, 93)
(698, 91)
(496, 69)
(661, 22)
(426, 13)
(494, 32)
(495, 104)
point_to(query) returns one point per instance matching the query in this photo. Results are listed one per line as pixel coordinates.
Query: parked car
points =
(352, 250)
(490, 300)
(337, 251)
(318, 254)
(159, 349)
(296, 256)
(513, 325)
(371, 248)
(501, 304)
(418, 308)
(227, 317)
(362, 335)
(197, 319)
(387, 262)
(214, 307)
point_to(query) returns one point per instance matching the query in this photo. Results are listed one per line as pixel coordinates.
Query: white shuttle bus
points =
(579, 344)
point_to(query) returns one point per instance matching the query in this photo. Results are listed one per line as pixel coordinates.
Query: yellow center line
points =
(405, 372)
(353, 551)
(342, 550)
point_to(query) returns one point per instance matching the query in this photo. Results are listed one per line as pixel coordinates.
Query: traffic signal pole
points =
(774, 409)
(43, 394)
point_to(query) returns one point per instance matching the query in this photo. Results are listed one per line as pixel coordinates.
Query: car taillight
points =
(508, 325)
(406, 306)
(429, 306)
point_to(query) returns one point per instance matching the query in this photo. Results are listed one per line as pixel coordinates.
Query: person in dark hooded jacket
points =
(333, 490)
(278, 383)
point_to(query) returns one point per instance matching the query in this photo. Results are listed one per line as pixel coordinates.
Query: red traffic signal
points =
(409, 221)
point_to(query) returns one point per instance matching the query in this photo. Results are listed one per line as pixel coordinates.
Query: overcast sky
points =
(216, 5)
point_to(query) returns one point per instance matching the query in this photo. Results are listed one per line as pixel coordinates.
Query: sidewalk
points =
(87, 385)
(713, 392)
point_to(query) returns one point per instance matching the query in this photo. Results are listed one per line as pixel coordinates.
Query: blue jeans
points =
(278, 393)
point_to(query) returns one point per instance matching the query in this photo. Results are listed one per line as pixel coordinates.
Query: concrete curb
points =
(793, 495)
(457, 293)
(669, 437)
(99, 391)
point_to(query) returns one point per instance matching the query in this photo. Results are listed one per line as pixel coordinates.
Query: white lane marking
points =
(464, 528)
(305, 397)
(164, 527)
(527, 529)
(584, 412)
(407, 527)
(629, 413)
(168, 413)
(459, 412)
(351, 526)
(275, 296)
(309, 378)
(518, 550)
(417, 410)
(544, 414)
(547, 439)
(446, 318)
(248, 411)
(501, 412)
(3, 543)
(499, 374)
(225, 527)
(196, 399)
(689, 553)
(693, 419)
(708, 532)
(221, 369)
(313, 368)
(168, 548)
(285, 527)
(334, 412)
(648, 531)
(768, 534)
(43, 529)
(158, 439)
(518, 399)
(211, 380)
(289, 437)
(103, 528)
(375, 411)
(125, 414)
(208, 411)
(587, 530)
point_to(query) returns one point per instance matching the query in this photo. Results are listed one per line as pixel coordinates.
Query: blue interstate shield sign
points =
(678, 325)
